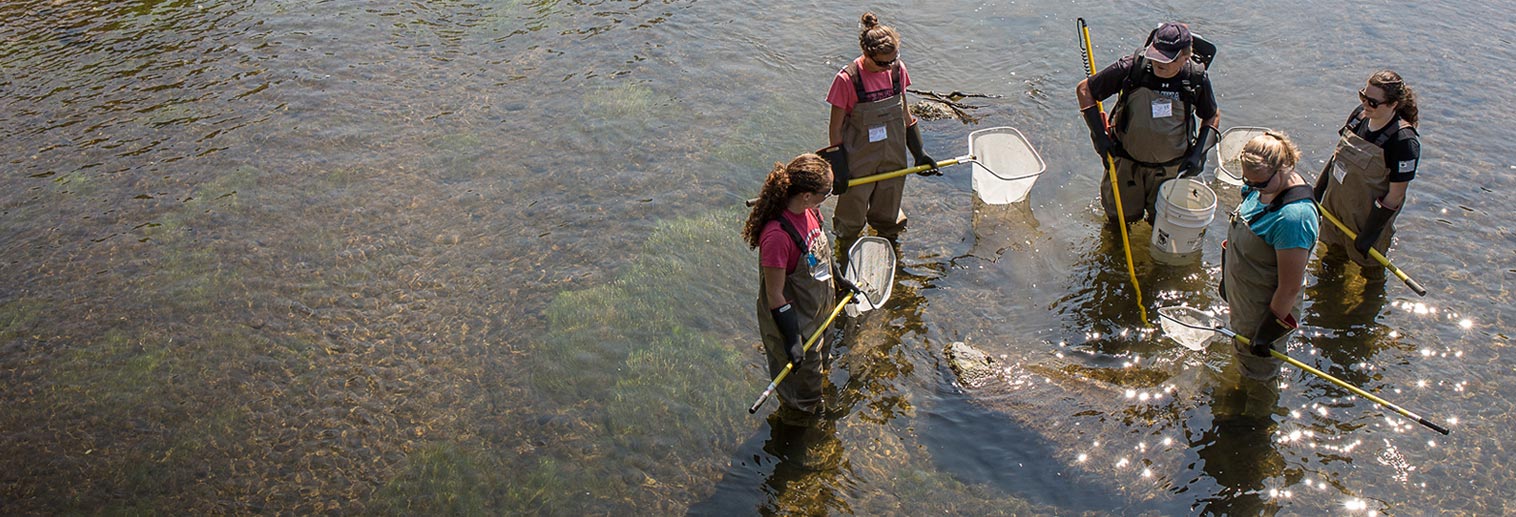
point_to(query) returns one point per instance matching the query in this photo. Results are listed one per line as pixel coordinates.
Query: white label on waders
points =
(1338, 173)
(820, 269)
(878, 134)
(1163, 108)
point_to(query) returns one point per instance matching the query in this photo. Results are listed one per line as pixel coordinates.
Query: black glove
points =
(1194, 162)
(788, 320)
(1100, 134)
(1320, 191)
(1269, 331)
(1379, 217)
(843, 282)
(913, 142)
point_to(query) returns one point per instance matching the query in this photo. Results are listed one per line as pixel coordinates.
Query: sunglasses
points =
(884, 64)
(1370, 101)
(1260, 185)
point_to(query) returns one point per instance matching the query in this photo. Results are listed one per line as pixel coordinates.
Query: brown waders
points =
(1359, 178)
(1153, 128)
(1250, 270)
(809, 289)
(874, 136)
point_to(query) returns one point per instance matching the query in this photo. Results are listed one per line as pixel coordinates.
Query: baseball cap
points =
(1168, 41)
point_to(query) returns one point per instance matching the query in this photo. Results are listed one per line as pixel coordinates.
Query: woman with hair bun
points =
(872, 123)
(1263, 260)
(795, 291)
(1364, 184)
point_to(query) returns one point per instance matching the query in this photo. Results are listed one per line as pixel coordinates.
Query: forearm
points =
(834, 128)
(1083, 93)
(1291, 264)
(773, 287)
(1396, 196)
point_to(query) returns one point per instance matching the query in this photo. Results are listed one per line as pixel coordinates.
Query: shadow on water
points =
(1239, 455)
(979, 446)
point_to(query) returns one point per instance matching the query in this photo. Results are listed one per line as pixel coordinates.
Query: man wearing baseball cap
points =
(1153, 132)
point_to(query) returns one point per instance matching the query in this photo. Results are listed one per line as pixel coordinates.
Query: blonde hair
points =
(1271, 151)
(876, 39)
(806, 173)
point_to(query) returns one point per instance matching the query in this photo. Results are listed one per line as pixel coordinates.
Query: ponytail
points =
(806, 173)
(1398, 92)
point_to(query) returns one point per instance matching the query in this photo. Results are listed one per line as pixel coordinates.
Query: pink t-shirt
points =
(843, 96)
(777, 249)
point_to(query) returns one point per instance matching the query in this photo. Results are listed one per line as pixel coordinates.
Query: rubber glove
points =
(788, 321)
(1194, 163)
(913, 142)
(1379, 217)
(1270, 330)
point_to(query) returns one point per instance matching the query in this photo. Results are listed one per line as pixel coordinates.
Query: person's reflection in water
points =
(793, 465)
(1238, 452)
(808, 464)
(1345, 309)
(1100, 295)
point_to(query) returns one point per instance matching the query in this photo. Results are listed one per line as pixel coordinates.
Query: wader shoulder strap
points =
(854, 73)
(794, 235)
(1290, 195)
(1356, 120)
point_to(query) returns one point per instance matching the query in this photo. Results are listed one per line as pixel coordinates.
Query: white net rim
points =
(1244, 133)
(980, 157)
(862, 263)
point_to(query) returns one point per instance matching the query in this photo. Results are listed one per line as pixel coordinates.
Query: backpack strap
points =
(1290, 195)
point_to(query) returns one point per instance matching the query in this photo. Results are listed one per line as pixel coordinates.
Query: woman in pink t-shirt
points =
(871, 122)
(795, 291)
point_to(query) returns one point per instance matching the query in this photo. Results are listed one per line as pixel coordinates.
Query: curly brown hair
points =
(806, 173)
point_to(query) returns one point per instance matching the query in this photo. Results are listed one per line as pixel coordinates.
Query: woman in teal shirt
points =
(1269, 242)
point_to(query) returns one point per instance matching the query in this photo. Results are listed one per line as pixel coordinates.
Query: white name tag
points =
(878, 133)
(1163, 108)
(1338, 173)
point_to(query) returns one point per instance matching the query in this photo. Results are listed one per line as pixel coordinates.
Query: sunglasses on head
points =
(1363, 95)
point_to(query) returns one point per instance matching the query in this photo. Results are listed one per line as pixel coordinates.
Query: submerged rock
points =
(1122, 428)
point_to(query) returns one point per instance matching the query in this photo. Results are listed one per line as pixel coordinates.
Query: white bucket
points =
(1185, 207)
(1005, 165)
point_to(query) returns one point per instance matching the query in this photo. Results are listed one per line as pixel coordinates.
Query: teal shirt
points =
(1295, 225)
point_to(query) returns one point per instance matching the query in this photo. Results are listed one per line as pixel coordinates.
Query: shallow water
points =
(481, 257)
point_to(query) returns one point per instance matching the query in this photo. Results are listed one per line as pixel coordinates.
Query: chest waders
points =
(812, 295)
(1154, 129)
(873, 135)
(1359, 178)
(1250, 275)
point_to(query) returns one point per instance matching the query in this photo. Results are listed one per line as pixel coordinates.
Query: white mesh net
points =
(871, 267)
(1229, 152)
(1005, 165)
(1191, 327)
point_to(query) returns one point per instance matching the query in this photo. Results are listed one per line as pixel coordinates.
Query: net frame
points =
(871, 267)
(1192, 328)
(989, 157)
(1230, 150)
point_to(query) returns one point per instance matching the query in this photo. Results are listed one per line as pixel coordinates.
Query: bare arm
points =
(1396, 196)
(773, 285)
(1083, 93)
(834, 129)
(1292, 264)
(1215, 121)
